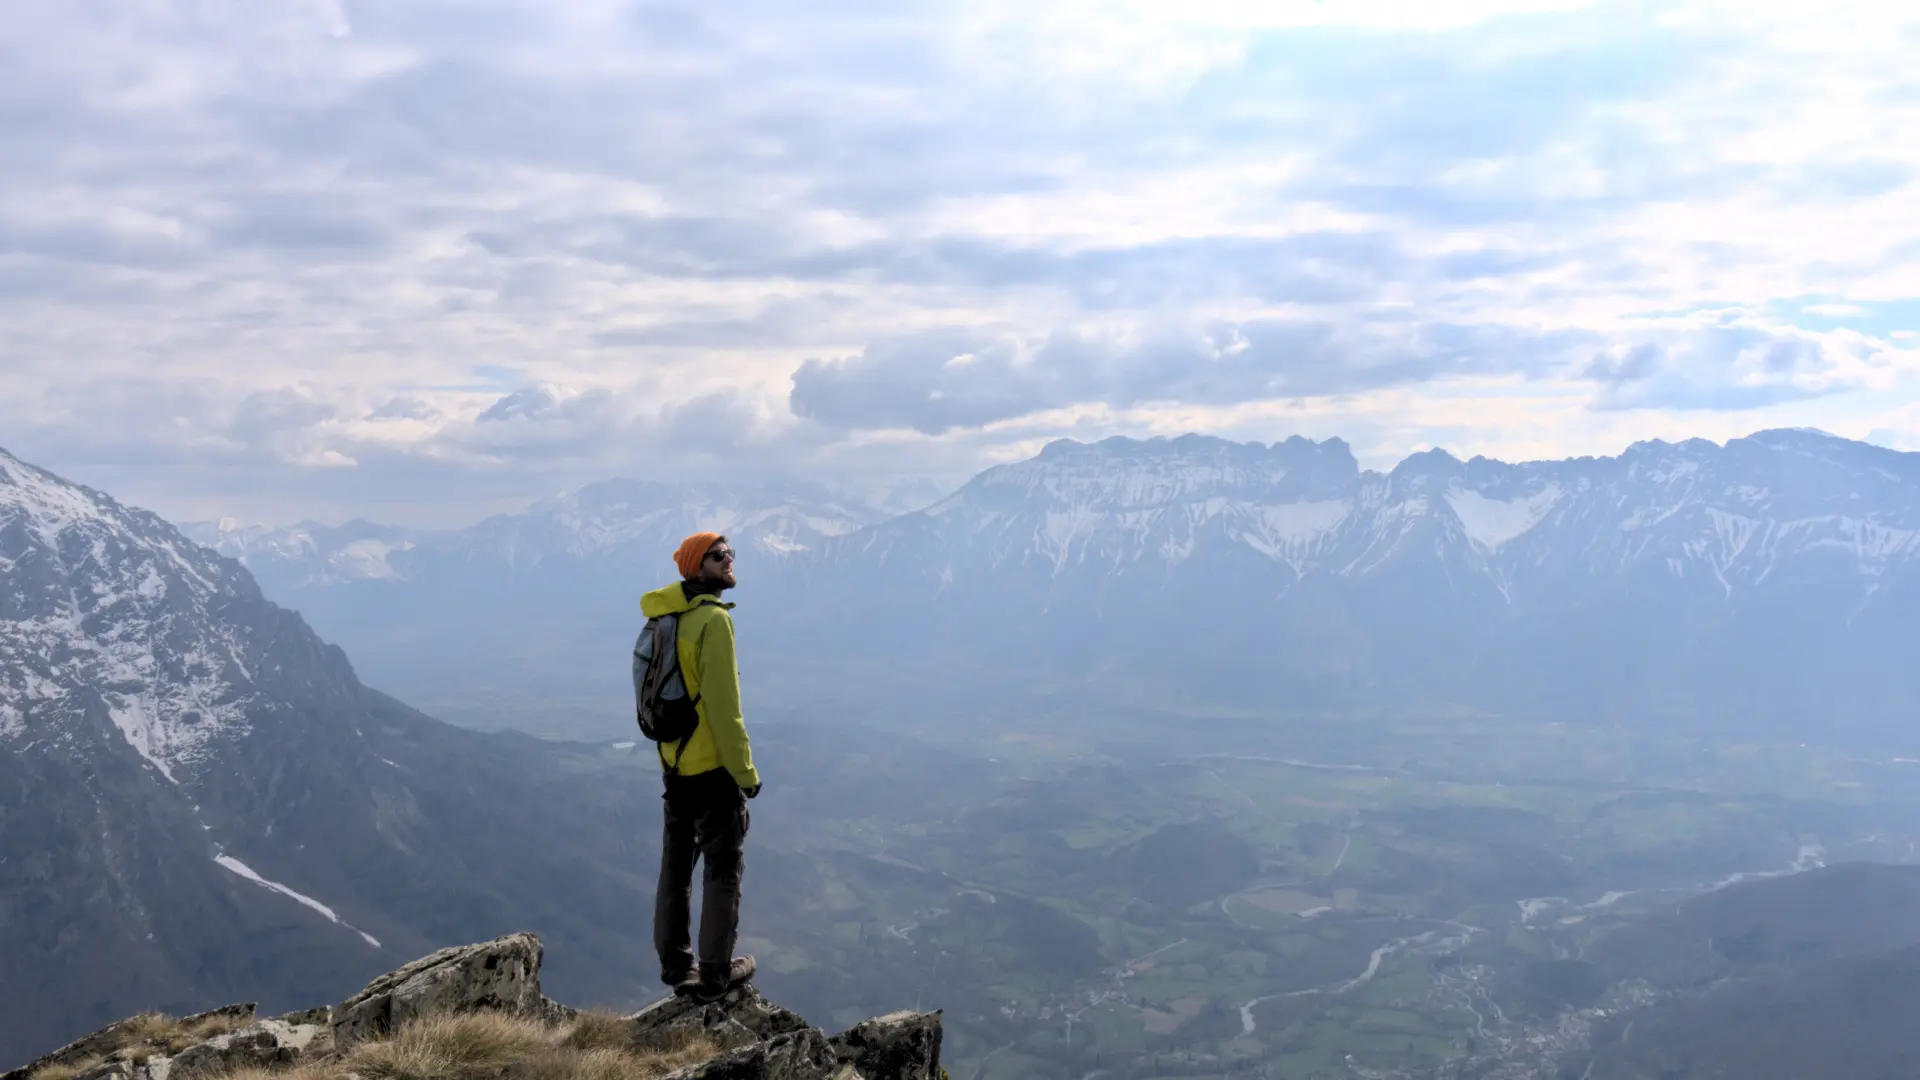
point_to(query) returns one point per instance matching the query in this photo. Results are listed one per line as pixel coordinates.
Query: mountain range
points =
(1663, 584)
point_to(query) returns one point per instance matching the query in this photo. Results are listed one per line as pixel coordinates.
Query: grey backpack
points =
(665, 711)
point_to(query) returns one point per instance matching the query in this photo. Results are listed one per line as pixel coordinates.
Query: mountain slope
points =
(1813, 974)
(200, 800)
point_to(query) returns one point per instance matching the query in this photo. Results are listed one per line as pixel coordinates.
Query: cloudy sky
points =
(424, 259)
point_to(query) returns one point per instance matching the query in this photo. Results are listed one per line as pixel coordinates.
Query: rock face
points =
(500, 974)
(758, 1039)
(739, 1018)
(797, 1055)
(264, 1045)
(905, 1045)
(762, 1041)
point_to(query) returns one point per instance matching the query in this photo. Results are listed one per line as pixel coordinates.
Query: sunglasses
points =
(720, 555)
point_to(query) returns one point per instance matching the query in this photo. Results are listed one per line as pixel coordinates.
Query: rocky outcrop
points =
(900, 1046)
(740, 1018)
(797, 1055)
(762, 1041)
(265, 1044)
(500, 974)
(105, 1042)
(757, 1039)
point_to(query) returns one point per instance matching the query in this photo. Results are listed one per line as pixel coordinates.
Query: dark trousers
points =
(707, 820)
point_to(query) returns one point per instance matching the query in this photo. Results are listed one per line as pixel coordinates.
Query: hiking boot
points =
(713, 985)
(682, 982)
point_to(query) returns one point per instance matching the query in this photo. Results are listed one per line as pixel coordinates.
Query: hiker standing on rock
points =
(688, 688)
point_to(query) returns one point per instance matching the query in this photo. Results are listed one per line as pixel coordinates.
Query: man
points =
(709, 778)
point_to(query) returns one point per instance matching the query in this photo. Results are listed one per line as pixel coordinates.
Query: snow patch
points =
(1304, 520)
(1867, 541)
(1533, 908)
(143, 731)
(367, 559)
(245, 871)
(13, 722)
(1062, 528)
(49, 506)
(1490, 523)
(234, 865)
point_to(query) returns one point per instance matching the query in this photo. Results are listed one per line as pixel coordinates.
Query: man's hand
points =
(752, 791)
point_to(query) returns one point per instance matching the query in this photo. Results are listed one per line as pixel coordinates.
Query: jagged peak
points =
(1814, 439)
(1796, 434)
(1430, 462)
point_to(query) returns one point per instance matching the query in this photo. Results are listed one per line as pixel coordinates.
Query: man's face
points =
(718, 565)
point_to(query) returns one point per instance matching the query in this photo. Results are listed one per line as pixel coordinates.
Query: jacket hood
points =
(672, 600)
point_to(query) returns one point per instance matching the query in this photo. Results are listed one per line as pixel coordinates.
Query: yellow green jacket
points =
(712, 674)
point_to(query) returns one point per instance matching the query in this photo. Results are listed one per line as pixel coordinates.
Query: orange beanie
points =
(692, 551)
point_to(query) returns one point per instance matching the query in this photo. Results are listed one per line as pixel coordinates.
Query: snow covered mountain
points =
(199, 800)
(1730, 515)
(605, 523)
(1770, 579)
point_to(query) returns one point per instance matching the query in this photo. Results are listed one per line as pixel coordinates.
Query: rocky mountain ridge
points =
(1729, 514)
(749, 1037)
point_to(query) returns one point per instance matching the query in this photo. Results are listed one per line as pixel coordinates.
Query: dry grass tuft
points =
(150, 1033)
(611, 1063)
(693, 1050)
(496, 1046)
(310, 1070)
(599, 1030)
(64, 1070)
(446, 1047)
(472, 1046)
(147, 1027)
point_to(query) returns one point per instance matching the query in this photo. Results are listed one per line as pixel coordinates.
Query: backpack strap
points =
(678, 752)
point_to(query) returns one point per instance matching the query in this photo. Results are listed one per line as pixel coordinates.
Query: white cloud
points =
(366, 252)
